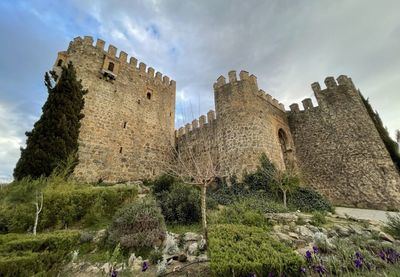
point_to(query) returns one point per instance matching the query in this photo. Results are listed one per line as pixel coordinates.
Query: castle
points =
(129, 126)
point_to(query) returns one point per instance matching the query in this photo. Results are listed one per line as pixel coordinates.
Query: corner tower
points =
(250, 122)
(129, 113)
(339, 148)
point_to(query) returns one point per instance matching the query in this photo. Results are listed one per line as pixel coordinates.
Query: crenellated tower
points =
(339, 148)
(129, 113)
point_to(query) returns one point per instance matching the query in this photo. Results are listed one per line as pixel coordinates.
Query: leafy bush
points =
(26, 255)
(65, 203)
(155, 256)
(393, 225)
(181, 204)
(56, 241)
(163, 183)
(238, 214)
(241, 250)
(261, 179)
(138, 225)
(318, 219)
(308, 200)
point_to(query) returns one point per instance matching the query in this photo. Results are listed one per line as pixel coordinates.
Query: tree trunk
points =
(284, 198)
(204, 210)
(38, 210)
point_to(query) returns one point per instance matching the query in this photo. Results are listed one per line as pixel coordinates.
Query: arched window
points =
(111, 66)
(149, 95)
(59, 63)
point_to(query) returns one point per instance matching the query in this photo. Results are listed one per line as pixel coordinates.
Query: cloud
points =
(286, 44)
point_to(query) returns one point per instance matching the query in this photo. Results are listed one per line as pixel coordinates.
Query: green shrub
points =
(238, 214)
(238, 250)
(163, 183)
(181, 204)
(393, 225)
(261, 179)
(138, 225)
(64, 204)
(155, 256)
(318, 219)
(308, 200)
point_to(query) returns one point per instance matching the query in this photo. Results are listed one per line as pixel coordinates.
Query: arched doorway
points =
(285, 148)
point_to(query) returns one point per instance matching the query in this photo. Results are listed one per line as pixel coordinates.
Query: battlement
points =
(121, 59)
(331, 85)
(244, 76)
(197, 124)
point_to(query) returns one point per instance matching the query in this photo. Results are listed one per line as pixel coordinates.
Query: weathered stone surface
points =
(386, 237)
(128, 130)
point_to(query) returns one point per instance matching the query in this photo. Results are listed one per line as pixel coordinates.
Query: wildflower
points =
(315, 249)
(320, 269)
(252, 275)
(359, 256)
(358, 263)
(302, 269)
(382, 255)
(145, 266)
(308, 255)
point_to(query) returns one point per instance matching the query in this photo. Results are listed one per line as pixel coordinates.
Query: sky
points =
(287, 44)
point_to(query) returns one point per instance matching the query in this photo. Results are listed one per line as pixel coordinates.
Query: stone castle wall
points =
(128, 130)
(248, 122)
(129, 114)
(340, 151)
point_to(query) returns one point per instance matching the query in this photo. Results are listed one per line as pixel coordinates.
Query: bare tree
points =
(39, 205)
(198, 169)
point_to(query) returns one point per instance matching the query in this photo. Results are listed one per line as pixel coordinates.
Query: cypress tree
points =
(390, 144)
(55, 135)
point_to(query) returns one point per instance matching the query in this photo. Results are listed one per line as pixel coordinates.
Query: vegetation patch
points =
(239, 250)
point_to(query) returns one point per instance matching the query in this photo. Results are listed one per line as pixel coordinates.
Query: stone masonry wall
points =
(340, 151)
(128, 126)
(246, 125)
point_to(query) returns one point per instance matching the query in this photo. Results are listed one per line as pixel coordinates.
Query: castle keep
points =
(128, 129)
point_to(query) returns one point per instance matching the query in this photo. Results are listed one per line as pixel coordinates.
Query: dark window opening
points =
(120, 150)
(149, 95)
(111, 66)
(125, 124)
(59, 63)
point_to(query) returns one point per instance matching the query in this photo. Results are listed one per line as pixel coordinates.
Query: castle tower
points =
(129, 114)
(250, 122)
(339, 148)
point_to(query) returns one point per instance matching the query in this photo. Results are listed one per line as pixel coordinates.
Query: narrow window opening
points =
(111, 66)
(149, 95)
(120, 150)
(125, 124)
(59, 63)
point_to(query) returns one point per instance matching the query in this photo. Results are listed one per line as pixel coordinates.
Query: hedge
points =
(308, 200)
(64, 206)
(238, 250)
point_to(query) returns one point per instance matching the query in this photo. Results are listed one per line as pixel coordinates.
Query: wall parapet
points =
(244, 76)
(197, 124)
(122, 58)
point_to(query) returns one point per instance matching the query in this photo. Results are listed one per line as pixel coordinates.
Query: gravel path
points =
(376, 215)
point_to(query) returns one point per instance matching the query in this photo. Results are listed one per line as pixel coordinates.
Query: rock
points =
(322, 241)
(100, 235)
(303, 231)
(300, 243)
(386, 244)
(171, 244)
(356, 229)
(106, 268)
(202, 244)
(277, 228)
(332, 233)
(93, 269)
(182, 257)
(193, 248)
(284, 237)
(312, 228)
(281, 217)
(189, 236)
(202, 257)
(135, 263)
(385, 237)
(293, 235)
(342, 230)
